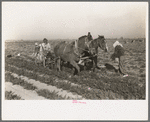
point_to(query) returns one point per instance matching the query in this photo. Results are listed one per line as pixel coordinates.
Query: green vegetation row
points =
(66, 86)
(18, 81)
(11, 96)
(127, 87)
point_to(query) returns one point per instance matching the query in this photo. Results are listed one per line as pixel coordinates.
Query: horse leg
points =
(61, 65)
(95, 59)
(44, 61)
(53, 65)
(95, 62)
(85, 65)
(77, 68)
(35, 62)
(94, 66)
(58, 64)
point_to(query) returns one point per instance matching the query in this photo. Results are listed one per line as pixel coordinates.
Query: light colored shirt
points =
(46, 47)
(117, 43)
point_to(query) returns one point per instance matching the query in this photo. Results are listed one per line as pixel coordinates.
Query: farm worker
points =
(47, 49)
(90, 36)
(119, 53)
(46, 46)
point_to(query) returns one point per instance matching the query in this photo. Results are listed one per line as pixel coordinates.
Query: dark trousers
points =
(121, 65)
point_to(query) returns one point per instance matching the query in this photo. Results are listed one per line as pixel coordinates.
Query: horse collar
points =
(87, 43)
(76, 51)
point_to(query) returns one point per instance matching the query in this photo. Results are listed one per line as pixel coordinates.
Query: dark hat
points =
(45, 40)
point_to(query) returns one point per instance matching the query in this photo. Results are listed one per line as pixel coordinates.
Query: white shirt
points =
(46, 47)
(117, 43)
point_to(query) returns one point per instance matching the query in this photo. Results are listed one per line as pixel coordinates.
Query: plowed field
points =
(26, 81)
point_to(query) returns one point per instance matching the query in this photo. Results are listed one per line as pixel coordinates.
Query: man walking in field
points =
(119, 53)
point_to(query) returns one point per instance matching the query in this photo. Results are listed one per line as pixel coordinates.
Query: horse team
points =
(74, 53)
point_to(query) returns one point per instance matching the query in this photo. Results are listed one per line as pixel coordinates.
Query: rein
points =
(88, 57)
(87, 44)
(65, 48)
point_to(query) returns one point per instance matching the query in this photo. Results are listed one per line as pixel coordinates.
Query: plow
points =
(51, 61)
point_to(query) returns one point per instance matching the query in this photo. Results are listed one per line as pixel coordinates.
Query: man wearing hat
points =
(119, 53)
(90, 36)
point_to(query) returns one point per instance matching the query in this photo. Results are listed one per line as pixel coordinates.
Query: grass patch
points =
(83, 91)
(50, 95)
(20, 82)
(11, 96)
(118, 85)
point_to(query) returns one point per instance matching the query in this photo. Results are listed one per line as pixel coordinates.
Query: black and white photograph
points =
(86, 54)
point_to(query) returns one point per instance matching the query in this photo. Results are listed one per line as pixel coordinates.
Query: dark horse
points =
(93, 49)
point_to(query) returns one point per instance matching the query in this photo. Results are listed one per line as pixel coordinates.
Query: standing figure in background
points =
(90, 36)
(119, 53)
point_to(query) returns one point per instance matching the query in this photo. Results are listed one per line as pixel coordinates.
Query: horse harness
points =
(65, 48)
(87, 43)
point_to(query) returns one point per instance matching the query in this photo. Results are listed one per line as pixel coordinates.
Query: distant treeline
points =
(125, 38)
(40, 40)
(72, 39)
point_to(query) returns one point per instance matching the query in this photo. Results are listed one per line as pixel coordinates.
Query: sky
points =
(71, 20)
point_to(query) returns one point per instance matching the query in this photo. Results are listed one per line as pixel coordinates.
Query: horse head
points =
(82, 43)
(99, 42)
